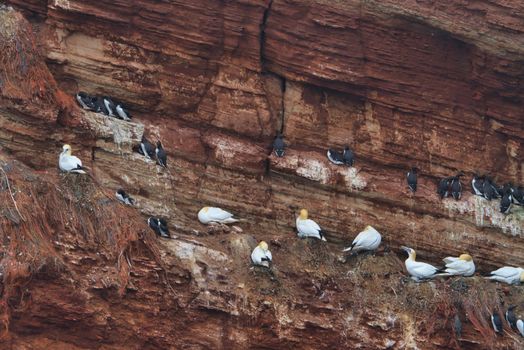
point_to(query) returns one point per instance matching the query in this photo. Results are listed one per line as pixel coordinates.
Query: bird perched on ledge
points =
(261, 255)
(419, 271)
(123, 197)
(161, 156)
(68, 162)
(369, 239)
(146, 148)
(341, 158)
(208, 215)
(496, 322)
(443, 187)
(307, 227)
(412, 179)
(279, 145)
(461, 266)
(508, 274)
(159, 226)
(456, 186)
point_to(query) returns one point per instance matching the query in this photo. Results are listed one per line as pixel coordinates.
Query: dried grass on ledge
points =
(57, 213)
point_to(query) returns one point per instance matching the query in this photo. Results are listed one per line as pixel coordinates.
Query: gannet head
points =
(66, 149)
(410, 252)
(465, 257)
(263, 245)
(205, 209)
(303, 214)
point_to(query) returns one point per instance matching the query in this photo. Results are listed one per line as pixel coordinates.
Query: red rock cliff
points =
(435, 84)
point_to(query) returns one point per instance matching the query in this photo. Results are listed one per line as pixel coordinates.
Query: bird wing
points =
(423, 269)
(506, 271)
(449, 260)
(308, 227)
(366, 239)
(269, 256)
(218, 214)
(460, 267)
(69, 163)
(257, 255)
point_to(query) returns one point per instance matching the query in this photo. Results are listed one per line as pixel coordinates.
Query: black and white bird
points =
(348, 156)
(457, 325)
(345, 157)
(159, 226)
(510, 316)
(146, 148)
(85, 101)
(507, 199)
(456, 186)
(477, 185)
(123, 197)
(517, 194)
(491, 190)
(99, 105)
(279, 145)
(161, 156)
(443, 187)
(496, 322)
(110, 106)
(122, 112)
(412, 179)
(335, 156)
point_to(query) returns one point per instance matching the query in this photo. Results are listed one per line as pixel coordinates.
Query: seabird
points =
(279, 145)
(335, 157)
(496, 322)
(461, 266)
(307, 227)
(99, 106)
(161, 156)
(122, 112)
(110, 106)
(518, 195)
(146, 148)
(207, 215)
(123, 197)
(508, 274)
(69, 163)
(369, 239)
(456, 186)
(490, 189)
(348, 156)
(507, 199)
(412, 179)
(457, 325)
(520, 327)
(443, 187)
(159, 226)
(261, 255)
(477, 185)
(85, 101)
(419, 271)
(510, 317)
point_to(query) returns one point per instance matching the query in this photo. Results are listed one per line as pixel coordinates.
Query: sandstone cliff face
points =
(404, 83)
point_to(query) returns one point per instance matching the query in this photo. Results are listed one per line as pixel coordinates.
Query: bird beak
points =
(406, 249)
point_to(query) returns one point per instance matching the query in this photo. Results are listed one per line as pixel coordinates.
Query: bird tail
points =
(348, 249)
(230, 221)
(78, 171)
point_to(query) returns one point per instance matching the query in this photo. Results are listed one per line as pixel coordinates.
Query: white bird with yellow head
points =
(261, 255)
(307, 227)
(68, 162)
